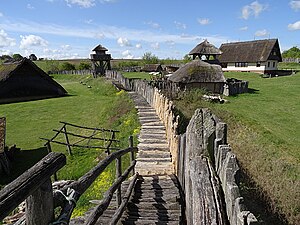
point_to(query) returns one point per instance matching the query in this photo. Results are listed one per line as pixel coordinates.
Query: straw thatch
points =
(205, 48)
(24, 78)
(250, 51)
(198, 71)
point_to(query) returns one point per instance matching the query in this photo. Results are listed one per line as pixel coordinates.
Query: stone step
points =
(153, 154)
(159, 160)
(153, 145)
(153, 206)
(150, 222)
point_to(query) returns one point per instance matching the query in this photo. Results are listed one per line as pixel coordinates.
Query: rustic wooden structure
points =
(4, 162)
(260, 56)
(152, 68)
(199, 74)
(73, 139)
(35, 186)
(2, 133)
(206, 49)
(100, 61)
(24, 80)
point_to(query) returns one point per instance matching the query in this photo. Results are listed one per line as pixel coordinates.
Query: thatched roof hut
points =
(25, 80)
(152, 68)
(205, 49)
(199, 74)
(250, 51)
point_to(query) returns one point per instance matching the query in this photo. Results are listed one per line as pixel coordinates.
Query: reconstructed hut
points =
(199, 74)
(24, 80)
(152, 68)
(206, 49)
(261, 56)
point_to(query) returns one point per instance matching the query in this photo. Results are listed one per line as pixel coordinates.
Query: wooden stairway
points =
(156, 199)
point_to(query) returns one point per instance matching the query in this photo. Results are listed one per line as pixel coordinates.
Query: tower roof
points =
(205, 48)
(100, 48)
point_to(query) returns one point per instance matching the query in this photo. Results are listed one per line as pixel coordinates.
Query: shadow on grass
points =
(259, 203)
(22, 161)
(253, 91)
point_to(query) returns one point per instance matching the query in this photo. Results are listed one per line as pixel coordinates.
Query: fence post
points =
(67, 140)
(131, 153)
(39, 205)
(48, 145)
(118, 174)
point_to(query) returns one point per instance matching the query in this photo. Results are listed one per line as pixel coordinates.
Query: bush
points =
(67, 66)
(84, 66)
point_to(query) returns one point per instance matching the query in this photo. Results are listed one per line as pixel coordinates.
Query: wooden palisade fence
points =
(35, 186)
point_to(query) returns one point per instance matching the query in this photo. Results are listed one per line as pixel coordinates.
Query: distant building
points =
(200, 74)
(100, 61)
(152, 68)
(260, 56)
(206, 51)
(24, 80)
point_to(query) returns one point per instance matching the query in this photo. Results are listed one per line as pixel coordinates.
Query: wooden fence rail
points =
(35, 186)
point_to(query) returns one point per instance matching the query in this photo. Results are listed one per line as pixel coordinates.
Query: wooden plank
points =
(118, 174)
(69, 149)
(88, 128)
(119, 212)
(2, 133)
(26, 184)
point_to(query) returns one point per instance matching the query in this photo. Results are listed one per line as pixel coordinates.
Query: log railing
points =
(74, 190)
(34, 185)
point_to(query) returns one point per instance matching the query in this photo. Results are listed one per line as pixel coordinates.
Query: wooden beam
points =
(88, 128)
(98, 211)
(26, 184)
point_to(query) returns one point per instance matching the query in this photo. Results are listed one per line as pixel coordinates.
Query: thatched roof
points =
(9, 69)
(250, 51)
(100, 48)
(198, 71)
(205, 48)
(152, 68)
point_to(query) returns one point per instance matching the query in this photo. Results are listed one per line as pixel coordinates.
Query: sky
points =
(67, 29)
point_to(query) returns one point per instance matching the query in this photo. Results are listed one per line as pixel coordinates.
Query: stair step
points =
(150, 222)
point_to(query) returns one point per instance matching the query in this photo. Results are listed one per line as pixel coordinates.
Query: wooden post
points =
(132, 152)
(48, 145)
(118, 174)
(39, 205)
(67, 140)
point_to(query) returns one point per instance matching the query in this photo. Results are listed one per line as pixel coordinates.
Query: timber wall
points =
(204, 163)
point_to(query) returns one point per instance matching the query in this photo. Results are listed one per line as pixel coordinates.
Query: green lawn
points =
(264, 131)
(98, 106)
(140, 75)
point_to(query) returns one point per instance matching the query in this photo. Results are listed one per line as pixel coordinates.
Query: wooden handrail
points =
(98, 211)
(88, 128)
(26, 184)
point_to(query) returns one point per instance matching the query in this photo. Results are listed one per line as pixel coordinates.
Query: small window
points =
(241, 64)
(268, 64)
(258, 64)
(274, 64)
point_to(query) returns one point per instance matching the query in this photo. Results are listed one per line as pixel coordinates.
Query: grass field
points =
(99, 106)
(264, 131)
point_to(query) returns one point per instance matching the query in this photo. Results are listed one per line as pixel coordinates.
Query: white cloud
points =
(32, 41)
(29, 6)
(204, 21)
(153, 25)
(1, 14)
(155, 46)
(139, 46)
(66, 47)
(108, 1)
(6, 41)
(261, 33)
(179, 25)
(295, 5)
(5, 52)
(123, 42)
(127, 55)
(244, 28)
(255, 9)
(294, 26)
(82, 3)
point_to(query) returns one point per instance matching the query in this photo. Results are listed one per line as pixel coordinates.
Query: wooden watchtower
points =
(100, 60)
(208, 50)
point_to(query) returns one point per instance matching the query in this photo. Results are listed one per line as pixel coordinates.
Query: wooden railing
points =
(35, 186)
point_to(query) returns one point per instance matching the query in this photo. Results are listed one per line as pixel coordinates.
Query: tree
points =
(32, 57)
(149, 58)
(84, 66)
(17, 57)
(293, 52)
(67, 66)
(187, 58)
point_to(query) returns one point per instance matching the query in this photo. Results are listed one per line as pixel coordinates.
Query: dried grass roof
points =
(205, 48)
(100, 48)
(198, 71)
(250, 51)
